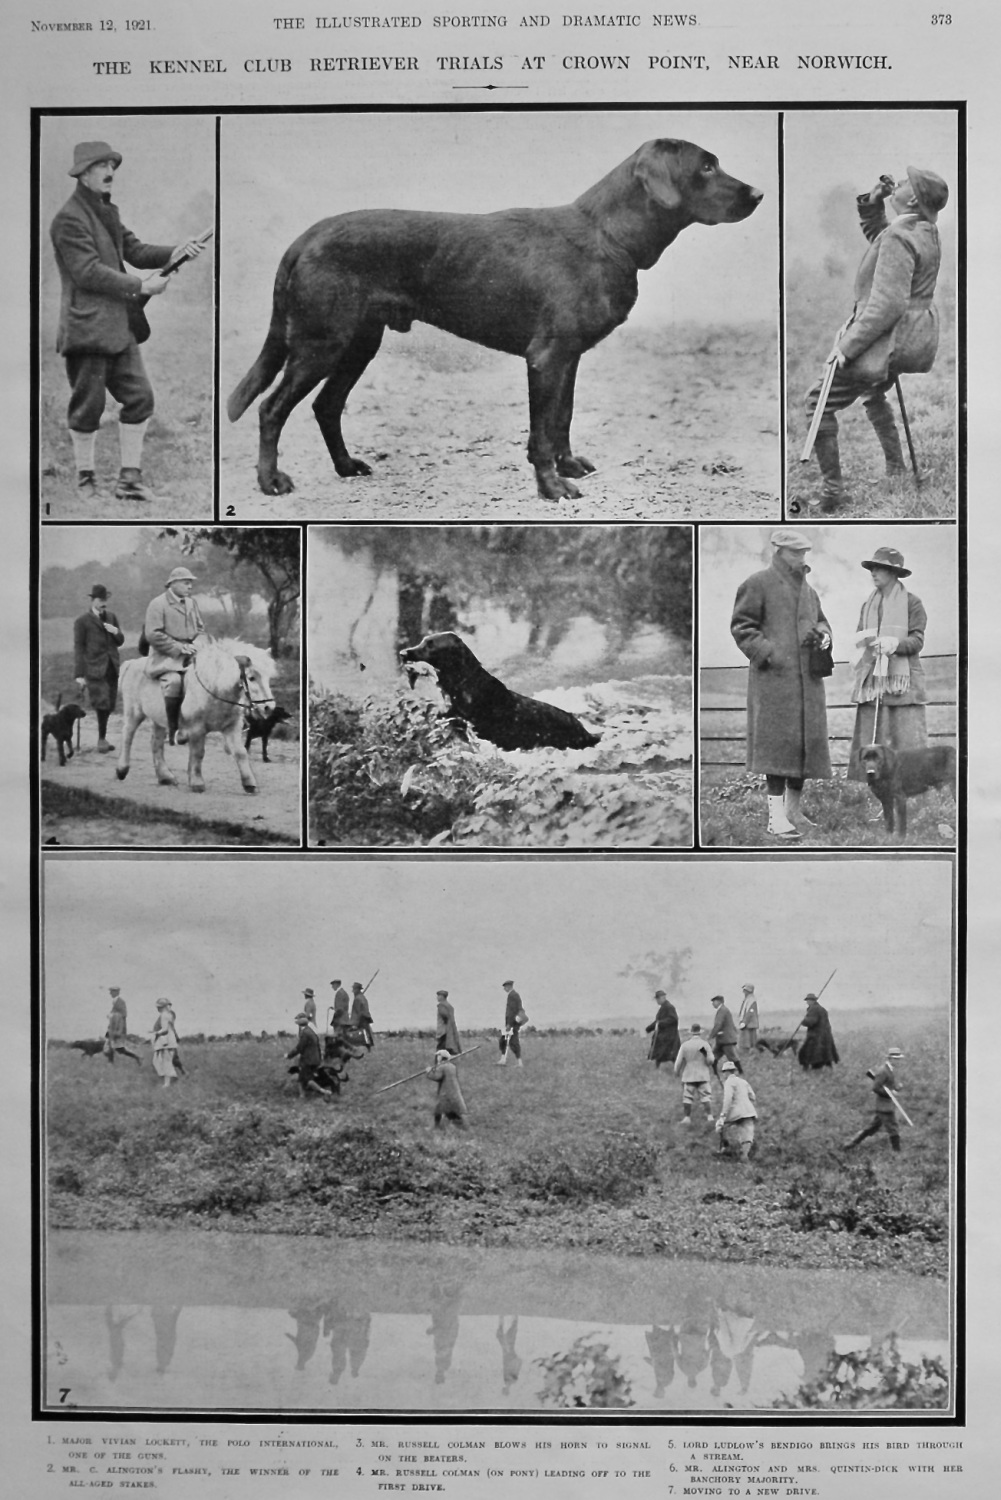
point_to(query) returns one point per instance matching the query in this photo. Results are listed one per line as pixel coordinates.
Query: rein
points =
(248, 703)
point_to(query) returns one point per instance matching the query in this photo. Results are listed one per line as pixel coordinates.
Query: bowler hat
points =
(931, 191)
(177, 575)
(889, 558)
(786, 537)
(86, 153)
(302, 1017)
(99, 591)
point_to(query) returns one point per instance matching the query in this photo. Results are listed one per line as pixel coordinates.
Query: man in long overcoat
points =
(894, 327)
(96, 639)
(101, 318)
(665, 1040)
(447, 1037)
(780, 626)
(361, 1016)
(819, 1049)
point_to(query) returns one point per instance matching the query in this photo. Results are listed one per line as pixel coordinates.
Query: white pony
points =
(226, 680)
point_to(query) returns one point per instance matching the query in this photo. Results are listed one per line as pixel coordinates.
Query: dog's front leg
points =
(569, 464)
(900, 814)
(548, 365)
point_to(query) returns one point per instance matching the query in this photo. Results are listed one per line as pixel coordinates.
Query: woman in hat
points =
(893, 328)
(164, 1039)
(889, 686)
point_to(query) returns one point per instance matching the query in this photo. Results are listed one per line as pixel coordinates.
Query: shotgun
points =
(177, 261)
(422, 1072)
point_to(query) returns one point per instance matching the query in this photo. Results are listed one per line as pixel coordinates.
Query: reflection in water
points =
(690, 1336)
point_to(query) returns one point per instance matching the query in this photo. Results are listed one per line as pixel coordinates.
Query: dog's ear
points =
(654, 167)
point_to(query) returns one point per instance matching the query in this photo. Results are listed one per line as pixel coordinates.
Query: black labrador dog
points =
(895, 775)
(259, 727)
(543, 283)
(59, 724)
(510, 720)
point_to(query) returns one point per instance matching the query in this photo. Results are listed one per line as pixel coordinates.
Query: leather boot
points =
(880, 414)
(793, 810)
(173, 707)
(130, 487)
(778, 824)
(86, 485)
(834, 496)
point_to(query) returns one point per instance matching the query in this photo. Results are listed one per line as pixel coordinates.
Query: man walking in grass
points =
(694, 1066)
(449, 1103)
(514, 1019)
(885, 1083)
(735, 1125)
(723, 1034)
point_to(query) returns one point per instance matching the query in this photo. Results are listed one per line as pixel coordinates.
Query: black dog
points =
(89, 1049)
(494, 712)
(776, 1045)
(60, 724)
(543, 283)
(260, 727)
(895, 775)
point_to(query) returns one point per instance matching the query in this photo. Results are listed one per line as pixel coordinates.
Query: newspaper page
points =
(499, 817)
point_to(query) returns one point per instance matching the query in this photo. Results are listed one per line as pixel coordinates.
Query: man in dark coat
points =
(818, 1049)
(779, 625)
(511, 1040)
(341, 1017)
(722, 1036)
(96, 639)
(447, 1037)
(307, 1050)
(361, 1016)
(665, 1041)
(893, 329)
(101, 318)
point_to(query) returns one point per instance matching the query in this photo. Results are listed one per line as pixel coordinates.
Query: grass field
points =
(582, 1147)
(734, 813)
(815, 312)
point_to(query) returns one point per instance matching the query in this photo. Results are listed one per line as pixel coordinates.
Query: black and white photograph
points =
(557, 1148)
(125, 321)
(828, 664)
(871, 217)
(169, 676)
(513, 686)
(384, 268)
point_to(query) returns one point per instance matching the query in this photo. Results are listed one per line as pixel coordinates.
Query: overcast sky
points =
(234, 941)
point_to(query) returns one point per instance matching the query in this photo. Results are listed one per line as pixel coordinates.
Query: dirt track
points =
(275, 809)
(681, 422)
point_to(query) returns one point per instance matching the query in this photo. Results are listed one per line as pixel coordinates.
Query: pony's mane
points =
(261, 659)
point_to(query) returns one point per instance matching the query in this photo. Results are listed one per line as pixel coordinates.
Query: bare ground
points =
(682, 424)
(83, 803)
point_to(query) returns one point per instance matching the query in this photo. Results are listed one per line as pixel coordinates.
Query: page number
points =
(941, 20)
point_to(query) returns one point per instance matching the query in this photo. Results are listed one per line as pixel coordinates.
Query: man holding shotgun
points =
(101, 317)
(885, 1084)
(893, 329)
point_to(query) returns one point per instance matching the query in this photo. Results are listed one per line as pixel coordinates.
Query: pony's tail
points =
(274, 351)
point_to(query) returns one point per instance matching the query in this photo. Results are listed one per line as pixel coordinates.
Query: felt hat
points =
(786, 537)
(177, 575)
(889, 558)
(357, 985)
(810, 996)
(308, 994)
(895, 1053)
(86, 153)
(98, 591)
(931, 191)
(442, 1052)
(660, 994)
(728, 1067)
(302, 1018)
(162, 1004)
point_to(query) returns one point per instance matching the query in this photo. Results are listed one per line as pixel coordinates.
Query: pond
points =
(186, 1320)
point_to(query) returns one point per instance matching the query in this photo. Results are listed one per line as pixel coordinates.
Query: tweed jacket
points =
(895, 318)
(307, 1049)
(786, 705)
(694, 1061)
(100, 309)
(170, 620)
(94, 649)
(723, 1032)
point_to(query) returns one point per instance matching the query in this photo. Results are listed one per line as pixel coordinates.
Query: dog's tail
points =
(273, 353)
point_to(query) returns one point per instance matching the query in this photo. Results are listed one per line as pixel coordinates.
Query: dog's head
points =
(444, 651)
(875, 762)
(689, 180)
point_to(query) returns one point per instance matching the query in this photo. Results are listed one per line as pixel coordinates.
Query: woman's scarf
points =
(887, 615)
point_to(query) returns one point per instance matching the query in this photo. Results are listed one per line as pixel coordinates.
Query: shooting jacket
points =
(100, 309)
(786, 705)
(694, 1061)
(341, 1003)
(307, 1049)
(738, 1100)
(723, 1032)
(170, 620)
(884, 1078)
(449, 1100)
(360, 1013)
(894, 330)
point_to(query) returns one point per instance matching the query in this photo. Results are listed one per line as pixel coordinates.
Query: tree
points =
(271, 555)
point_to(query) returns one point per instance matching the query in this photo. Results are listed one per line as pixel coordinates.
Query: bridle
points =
(251, 706)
